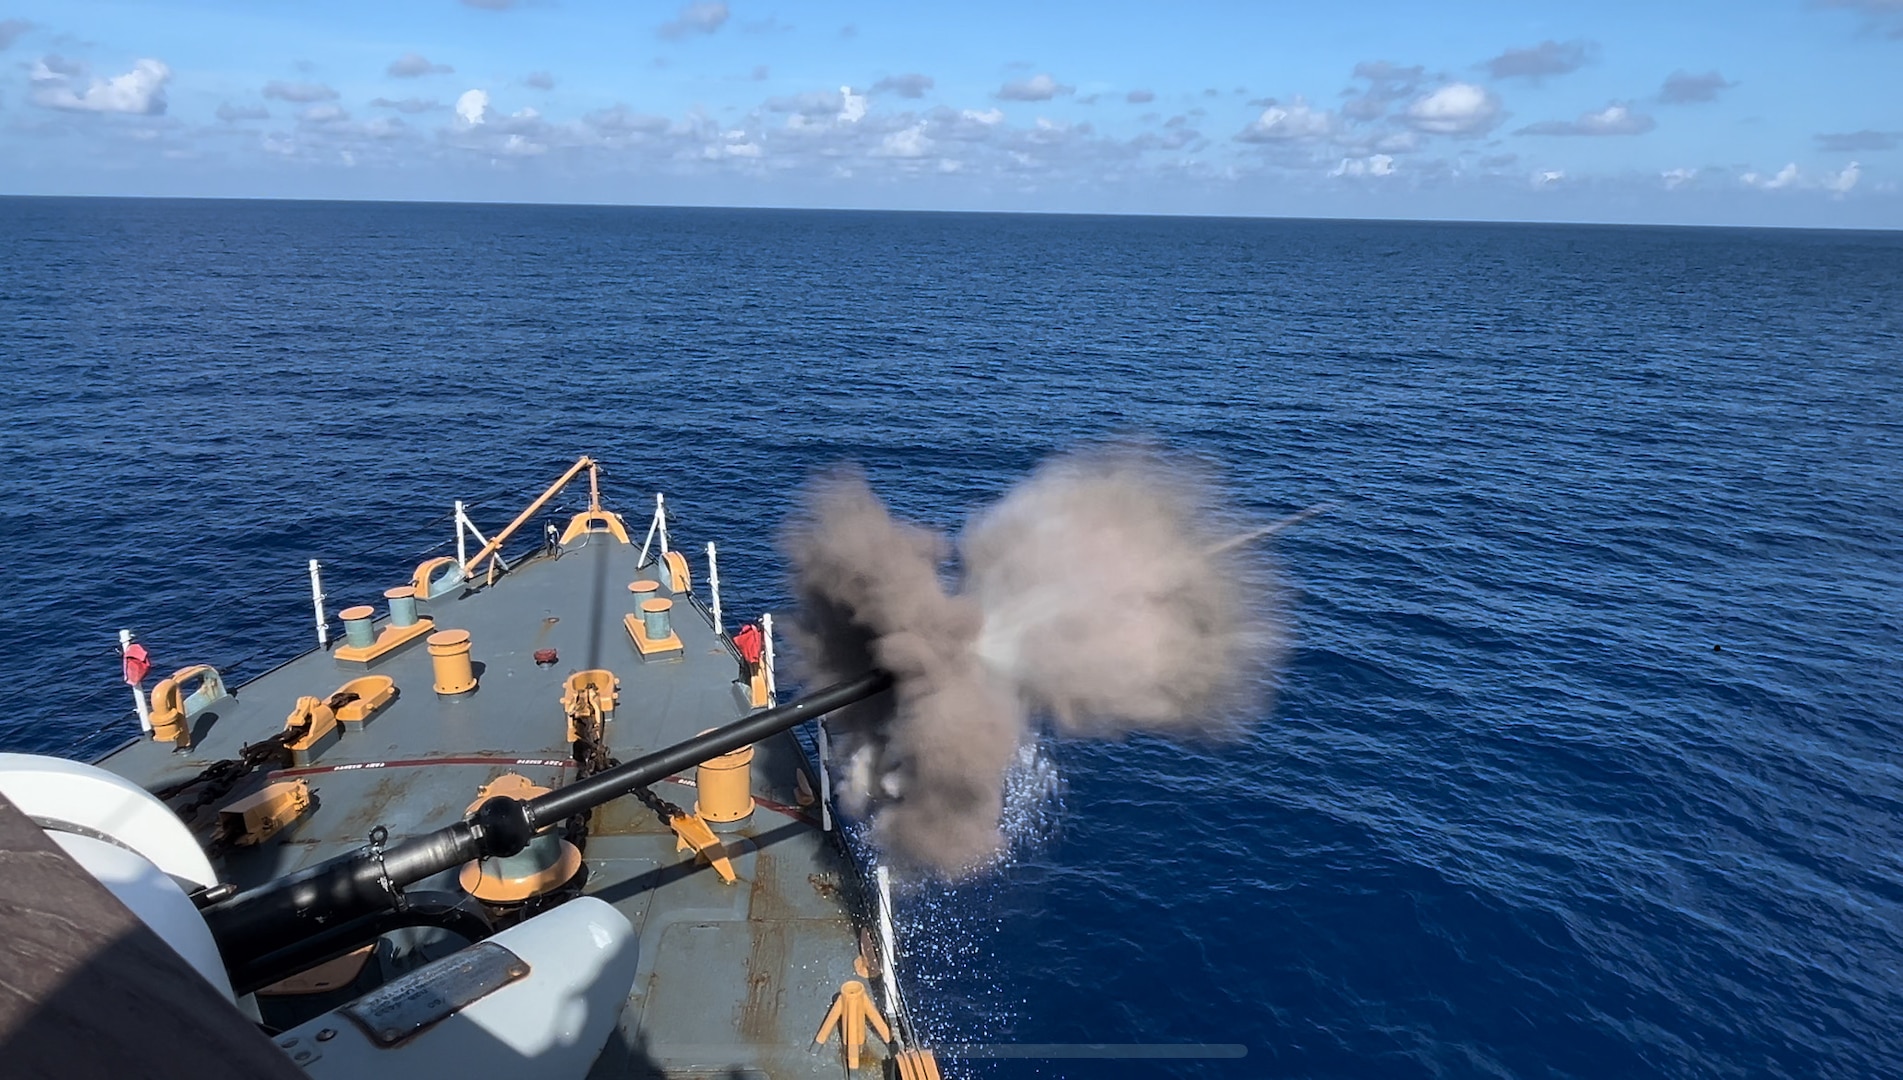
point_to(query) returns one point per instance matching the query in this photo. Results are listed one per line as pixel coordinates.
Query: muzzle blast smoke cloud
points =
(1096, 593)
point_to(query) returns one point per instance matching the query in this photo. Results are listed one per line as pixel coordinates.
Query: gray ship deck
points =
(733, 980)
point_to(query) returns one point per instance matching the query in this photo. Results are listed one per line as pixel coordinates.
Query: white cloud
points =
(1294, 121)
(1387, 83)
(700, 17)
(621, 122)
(473, 107)
(1790, 176)
(1614, 119)
(1372, 165)
(1039, 87)
(852, 107)
(1677, 178)
(906, 86)
(1398, 142)
(300, 93)
(1459, 109)
(1684, 88)
(140, 91)
(1536, 62)
(1549, 177)
(323, 114)
(521, 146)
(816, 110)
(1785, 177)
(906, 143)
(733, 144)
(987, 117)
(414, 65)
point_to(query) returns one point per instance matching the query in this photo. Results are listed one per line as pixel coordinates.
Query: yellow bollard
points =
(449, 656)
(725, 785)
(852, 1010)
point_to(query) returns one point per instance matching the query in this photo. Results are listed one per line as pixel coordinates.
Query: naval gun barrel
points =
(279, 914)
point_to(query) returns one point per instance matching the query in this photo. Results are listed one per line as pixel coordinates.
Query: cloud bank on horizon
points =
(1792, 117)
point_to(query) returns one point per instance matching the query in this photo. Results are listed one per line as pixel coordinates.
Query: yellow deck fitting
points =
(548, 863)
(588, 697)
(449, 660)
(261, 815)
(852, 1010)
(388, 640)
(436, 577)
(596, 520)
(677, 577)
(317, 722)
(724, 786)
(174, 706)
(917, 1063)
(647, 646)
(692, 833)
(356, 701)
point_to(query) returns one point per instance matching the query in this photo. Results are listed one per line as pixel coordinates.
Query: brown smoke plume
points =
(1094, 592)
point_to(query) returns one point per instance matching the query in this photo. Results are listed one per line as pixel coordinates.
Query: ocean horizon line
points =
(344, 200)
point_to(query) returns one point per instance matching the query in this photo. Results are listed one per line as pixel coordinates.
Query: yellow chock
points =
(693, 833)
(258, 817)
(852, 1010)
(917, 1063)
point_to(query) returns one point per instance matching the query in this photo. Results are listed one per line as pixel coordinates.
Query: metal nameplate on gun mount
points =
(399, 1009)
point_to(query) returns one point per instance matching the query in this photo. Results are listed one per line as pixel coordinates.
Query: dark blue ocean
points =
(1586, 761)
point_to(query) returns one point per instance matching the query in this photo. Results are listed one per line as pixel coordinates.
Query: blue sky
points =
(1773, 112)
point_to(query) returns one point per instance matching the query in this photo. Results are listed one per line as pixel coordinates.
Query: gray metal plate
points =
(399, 1009)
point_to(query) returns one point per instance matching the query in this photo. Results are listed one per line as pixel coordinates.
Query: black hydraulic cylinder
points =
(277, 914)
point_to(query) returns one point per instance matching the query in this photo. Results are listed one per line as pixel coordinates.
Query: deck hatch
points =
(401, 1008)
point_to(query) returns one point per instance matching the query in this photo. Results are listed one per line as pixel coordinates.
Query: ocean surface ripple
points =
(1585, 761)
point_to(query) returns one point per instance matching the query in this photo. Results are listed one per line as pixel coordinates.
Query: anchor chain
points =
(591, 758)
(221, 776)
